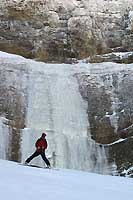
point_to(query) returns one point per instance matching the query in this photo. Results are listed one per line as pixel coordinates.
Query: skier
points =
(41, 145)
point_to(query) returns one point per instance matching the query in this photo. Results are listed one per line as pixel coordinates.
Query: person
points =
(41, 146)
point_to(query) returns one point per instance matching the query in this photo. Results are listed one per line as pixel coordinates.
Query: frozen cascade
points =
(4, 137)
(56, 106)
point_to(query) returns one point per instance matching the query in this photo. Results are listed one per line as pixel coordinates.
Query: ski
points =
(36, 166)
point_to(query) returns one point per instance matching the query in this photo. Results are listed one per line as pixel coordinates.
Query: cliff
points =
(59, 30)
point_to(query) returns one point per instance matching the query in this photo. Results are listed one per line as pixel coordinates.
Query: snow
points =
(8, 55)
(122, 54)
(130, 13)
(118, 141)
(128, 172)
(24, 183)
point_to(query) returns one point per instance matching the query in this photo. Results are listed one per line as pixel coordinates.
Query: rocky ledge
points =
(55, 30)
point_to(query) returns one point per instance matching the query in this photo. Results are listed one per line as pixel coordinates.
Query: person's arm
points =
(36, 145)
(45, 145)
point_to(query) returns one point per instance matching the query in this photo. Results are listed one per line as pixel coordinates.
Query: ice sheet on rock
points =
(4, 138)
(55, 105)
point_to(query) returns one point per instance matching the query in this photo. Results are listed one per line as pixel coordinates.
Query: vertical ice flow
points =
(56, 106)
(4, 137)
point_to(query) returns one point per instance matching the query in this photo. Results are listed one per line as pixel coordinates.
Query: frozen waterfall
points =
(52, 103)
(56, 107)
(4, 137)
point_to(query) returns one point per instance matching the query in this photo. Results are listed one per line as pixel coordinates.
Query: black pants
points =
(37, 153)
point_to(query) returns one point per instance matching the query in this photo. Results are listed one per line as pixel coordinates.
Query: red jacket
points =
(41, 144)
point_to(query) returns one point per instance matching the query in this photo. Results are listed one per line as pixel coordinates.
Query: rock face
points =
(55, 30)
(13, 101)
(110, 111)
(110, 105)
(123, 57)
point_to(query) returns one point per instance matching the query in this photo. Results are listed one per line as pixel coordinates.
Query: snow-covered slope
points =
(24, 183)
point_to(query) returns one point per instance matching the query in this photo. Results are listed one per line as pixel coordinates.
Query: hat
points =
(43, 134)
